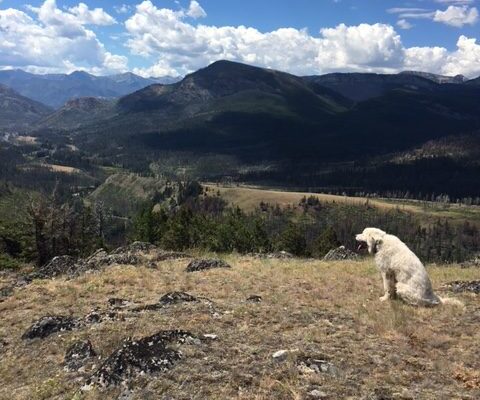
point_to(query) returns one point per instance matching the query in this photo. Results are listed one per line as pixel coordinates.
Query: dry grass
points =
(311, 307)
(62, 168)
(52, 167)
(26, 140)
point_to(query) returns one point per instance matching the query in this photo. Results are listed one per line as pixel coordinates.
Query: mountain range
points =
(55, 90)
(337, 129)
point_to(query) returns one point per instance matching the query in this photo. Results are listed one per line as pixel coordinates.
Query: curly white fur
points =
(403, 274)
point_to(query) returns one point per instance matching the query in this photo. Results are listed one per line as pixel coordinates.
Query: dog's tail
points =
(452, 302)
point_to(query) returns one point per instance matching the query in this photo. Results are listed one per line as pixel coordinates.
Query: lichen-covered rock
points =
(138, 357)
(102, 259)
(176, 297)
(464, 286)
(340, 253)
(60, 265)
(50, 324)
(201, 265)
(78, 354)
(167, 299)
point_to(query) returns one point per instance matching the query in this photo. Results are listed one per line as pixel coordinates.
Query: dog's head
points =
(370, 238)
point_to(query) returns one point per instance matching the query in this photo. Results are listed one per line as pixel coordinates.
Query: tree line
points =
(201, 220)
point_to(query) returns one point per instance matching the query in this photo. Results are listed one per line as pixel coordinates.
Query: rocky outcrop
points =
(78, 354)
(340, 253)
(147, 355)
(201, 265)
(132, 254)
(50, 324)
(60, 265)
(101, 259)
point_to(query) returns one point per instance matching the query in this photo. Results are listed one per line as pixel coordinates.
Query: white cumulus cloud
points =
(465, 60)
(96, 16)
(457, 16)
(181, 47)
(195, 10)
(56, 40)
(404, 24)
(176, 41)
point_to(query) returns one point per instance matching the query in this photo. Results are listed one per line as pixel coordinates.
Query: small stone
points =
(210, 336)
(254, 299)
(316, 365)
(176, 297)
(280, 355)
(118, 303)
(317, 394)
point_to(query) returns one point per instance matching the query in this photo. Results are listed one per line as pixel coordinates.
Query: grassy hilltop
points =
(323, 310)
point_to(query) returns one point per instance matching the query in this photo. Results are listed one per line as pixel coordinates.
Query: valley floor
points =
(313, 309)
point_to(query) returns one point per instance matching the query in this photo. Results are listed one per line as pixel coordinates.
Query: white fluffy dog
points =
(403, 274)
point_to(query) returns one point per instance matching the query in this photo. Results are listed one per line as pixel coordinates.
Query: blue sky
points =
(167, 37)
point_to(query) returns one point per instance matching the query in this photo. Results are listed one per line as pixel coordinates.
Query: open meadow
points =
(341, 341)
(248, 198)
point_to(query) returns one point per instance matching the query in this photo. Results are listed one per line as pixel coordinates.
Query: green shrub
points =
(7, 262)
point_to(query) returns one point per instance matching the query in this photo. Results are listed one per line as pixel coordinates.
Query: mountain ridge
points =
(55, 90)
(243, 110)
(17, 112)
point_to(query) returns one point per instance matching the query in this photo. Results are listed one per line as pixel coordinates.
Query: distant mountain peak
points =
(80, 73)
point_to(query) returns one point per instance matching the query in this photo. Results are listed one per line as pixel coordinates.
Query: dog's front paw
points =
(384, 297)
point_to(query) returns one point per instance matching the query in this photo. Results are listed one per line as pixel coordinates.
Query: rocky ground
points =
(252, 328)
